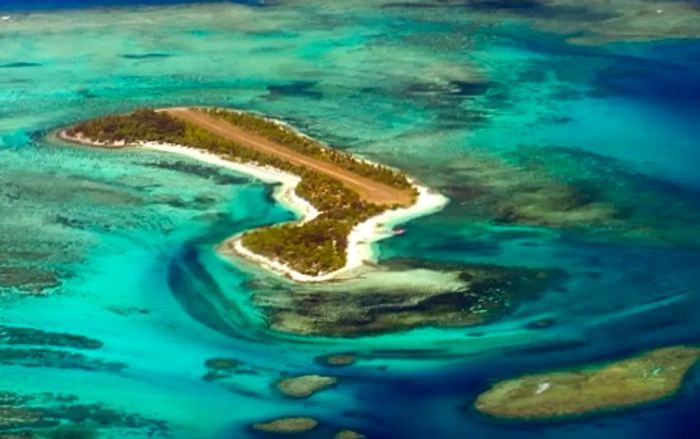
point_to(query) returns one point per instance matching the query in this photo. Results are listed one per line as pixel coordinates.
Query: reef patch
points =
(591, 389)
(304, 386)
(287, 425)
(408, 294)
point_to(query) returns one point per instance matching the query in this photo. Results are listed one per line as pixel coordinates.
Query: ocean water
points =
(120, 244)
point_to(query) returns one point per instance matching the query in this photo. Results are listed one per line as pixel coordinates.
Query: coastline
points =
(285, 193)
(360, 240)
(82, 140)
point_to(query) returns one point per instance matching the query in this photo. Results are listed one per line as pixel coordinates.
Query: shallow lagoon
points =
(128, 235)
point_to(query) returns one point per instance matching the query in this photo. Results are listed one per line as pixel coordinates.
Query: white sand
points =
(381, 226)
(361, 238)
(284, 194)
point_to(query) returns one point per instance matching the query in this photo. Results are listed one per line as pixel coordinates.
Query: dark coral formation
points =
(336, 360)
(56, 358)
(209, 172)
(28, 336)
(581, 193)
(29, 347)
(63, 416)
(592, 22)
(30, 279)
(221, 369)
(639, 208)
(478, 294)
(37, 260)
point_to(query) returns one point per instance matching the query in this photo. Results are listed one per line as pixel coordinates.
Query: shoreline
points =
(361, 237)
(82, 140)
(284, 194)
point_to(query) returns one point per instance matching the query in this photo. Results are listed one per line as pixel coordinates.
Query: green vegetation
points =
(142, 124)
(286, 136)
(316, 247)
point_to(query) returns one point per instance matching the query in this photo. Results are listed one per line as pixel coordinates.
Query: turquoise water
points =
(120, 243)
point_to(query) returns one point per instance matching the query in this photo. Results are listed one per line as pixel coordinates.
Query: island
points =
(645, 378)
(305, 385)
(345, 203)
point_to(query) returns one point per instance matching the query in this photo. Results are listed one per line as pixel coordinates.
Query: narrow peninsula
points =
(345, 203)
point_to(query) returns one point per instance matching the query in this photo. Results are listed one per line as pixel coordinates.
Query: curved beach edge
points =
(285, 193)
(360, 252)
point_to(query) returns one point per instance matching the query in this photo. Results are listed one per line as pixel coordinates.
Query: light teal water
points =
(444, 95)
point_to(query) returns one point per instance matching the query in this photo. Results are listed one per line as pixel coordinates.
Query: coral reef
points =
(638, 380)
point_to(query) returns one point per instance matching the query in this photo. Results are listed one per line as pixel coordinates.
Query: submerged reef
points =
(592, 22)
(212, 173)
(56, 358)
(511, 193)
(637, 380)
(233, 375)
(410, 294)
(30, 347)
(349, 434)
(632, 206)
(221, 369)
(28, 279)
(42, 241)
(336, 360)
(58, 415)
(28, 336)
(287, 425)
(575, 191)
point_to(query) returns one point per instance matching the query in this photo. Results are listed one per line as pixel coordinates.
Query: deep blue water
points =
(489, 102)
(668, 79)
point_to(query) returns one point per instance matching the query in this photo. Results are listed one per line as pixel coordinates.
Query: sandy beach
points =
(360, 240)
(285, 193)
(82, 140)
(359, 251)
